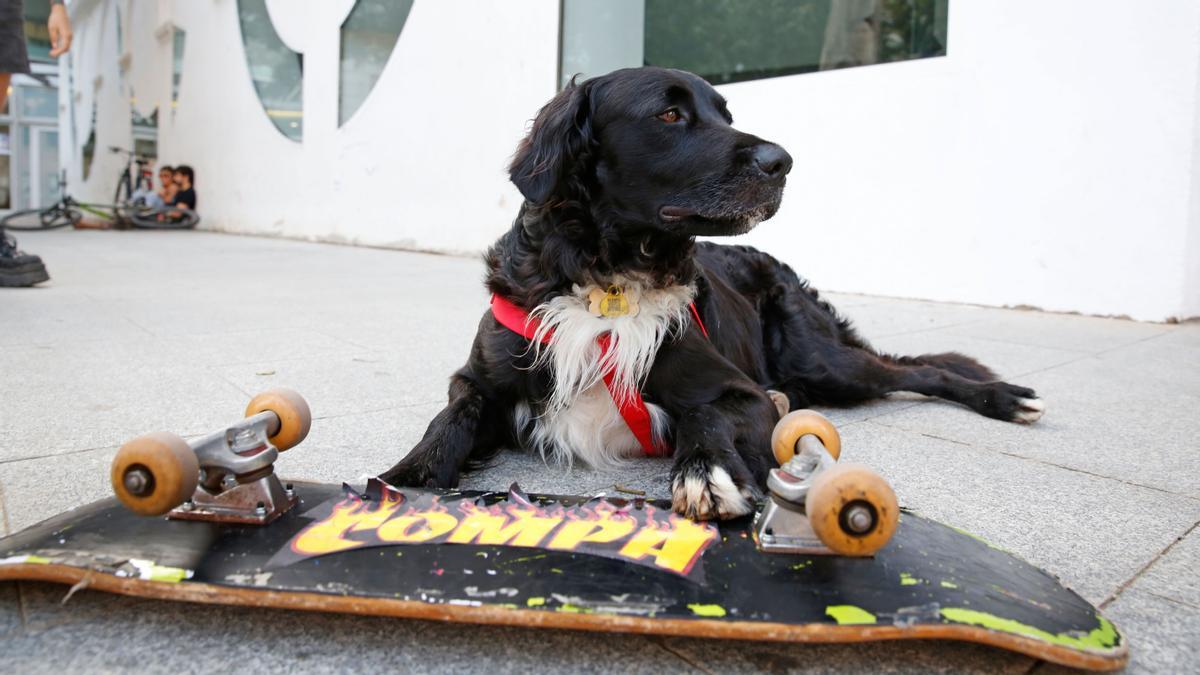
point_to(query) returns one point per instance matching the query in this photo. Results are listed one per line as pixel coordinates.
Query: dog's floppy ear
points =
(556, 145)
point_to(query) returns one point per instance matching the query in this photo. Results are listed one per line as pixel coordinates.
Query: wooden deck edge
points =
(504, 616)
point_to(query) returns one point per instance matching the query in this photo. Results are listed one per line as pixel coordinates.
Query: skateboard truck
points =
(817, 506)
(226, 477)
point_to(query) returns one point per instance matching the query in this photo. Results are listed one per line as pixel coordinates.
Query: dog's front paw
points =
(706, 491)
(415, 474)
(1008, 402)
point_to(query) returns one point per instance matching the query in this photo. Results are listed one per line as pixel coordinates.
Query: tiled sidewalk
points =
(140, 331)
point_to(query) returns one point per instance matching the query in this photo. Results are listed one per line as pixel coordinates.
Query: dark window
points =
(369, 36)
(732, 40)
(735, 40)
(276, 70)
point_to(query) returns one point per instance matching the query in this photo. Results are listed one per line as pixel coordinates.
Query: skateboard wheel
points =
(797, 423)
(292, 410)
(153, 474)
(852, 509)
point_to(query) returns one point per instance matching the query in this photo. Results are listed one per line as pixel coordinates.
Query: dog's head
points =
(651, 146)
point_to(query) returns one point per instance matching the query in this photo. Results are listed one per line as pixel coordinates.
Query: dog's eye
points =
(670, 116)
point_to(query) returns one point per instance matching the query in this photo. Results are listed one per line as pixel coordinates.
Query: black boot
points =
(17, 268)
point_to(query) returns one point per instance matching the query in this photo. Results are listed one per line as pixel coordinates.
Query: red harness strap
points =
(632, 409)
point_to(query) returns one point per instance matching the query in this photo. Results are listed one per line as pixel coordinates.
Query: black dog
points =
(601, 292)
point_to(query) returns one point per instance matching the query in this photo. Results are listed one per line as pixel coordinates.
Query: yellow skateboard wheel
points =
(154, 473)
(292, 410)
(797, 423)
(852, 509)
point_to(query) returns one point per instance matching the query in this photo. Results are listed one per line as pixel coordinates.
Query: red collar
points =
(516, 319)
(633, 409)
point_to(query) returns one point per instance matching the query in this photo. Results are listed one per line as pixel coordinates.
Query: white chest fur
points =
(580, 419)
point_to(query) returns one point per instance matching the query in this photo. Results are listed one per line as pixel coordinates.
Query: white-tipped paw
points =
(708, 493)
(1029, 410)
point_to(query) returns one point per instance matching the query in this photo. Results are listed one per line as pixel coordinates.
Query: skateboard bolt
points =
(859, 519)
(261, 509)
(137, 482)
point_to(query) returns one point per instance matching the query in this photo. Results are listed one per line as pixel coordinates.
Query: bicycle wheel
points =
(41, 219)
(167, 218)
(124, 189)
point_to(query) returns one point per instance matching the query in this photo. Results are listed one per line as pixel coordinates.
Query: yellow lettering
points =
(329, 535)
(525, 529)
(600, 531)
(417, 527)
(674, 549)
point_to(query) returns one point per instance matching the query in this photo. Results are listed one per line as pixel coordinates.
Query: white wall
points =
(90, 81)
(421, 163)
(1051, 159)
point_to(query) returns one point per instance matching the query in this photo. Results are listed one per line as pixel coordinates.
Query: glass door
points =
(44, 169)
(37, 167)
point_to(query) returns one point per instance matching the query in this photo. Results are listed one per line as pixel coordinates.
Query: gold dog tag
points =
(612, 303)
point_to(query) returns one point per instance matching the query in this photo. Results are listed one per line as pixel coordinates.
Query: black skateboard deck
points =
(599, 564)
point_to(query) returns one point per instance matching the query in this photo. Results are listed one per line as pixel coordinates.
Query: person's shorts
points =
(13, 57)
(147, 198)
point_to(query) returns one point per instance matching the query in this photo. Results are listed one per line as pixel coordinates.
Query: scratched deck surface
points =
(603, 565)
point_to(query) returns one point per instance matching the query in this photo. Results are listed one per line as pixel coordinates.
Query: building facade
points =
(999, 152)
(29, 140)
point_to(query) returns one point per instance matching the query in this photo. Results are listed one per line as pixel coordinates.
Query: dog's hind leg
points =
(959, 364)
(814, 356)
(467, 426)
(857, 375)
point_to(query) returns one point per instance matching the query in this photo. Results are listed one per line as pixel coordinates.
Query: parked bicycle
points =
(127, 210)
(132, 181)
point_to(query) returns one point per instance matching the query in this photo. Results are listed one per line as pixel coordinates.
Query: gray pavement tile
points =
(65, 322)
(533, 475)
(1176, 575)
(173, 352)
(10, 611)
(843, 300)
(164, 316)
(349, 383)
(1129, 414)
(926, 656)
(1185, 335)
(1093, 533)
(68, 356)
(1163, 635)
(1059, 331)
(161, 637)
(1006, 359)
(422, 329)
(251, 284)
(254, 346)
(31, 495)
(64, 408)
(890, 316)
(351, 447)
(891, 403)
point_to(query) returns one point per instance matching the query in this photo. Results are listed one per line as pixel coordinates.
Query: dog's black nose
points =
(772, 160)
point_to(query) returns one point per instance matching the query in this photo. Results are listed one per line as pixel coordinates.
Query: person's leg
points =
(16, 268)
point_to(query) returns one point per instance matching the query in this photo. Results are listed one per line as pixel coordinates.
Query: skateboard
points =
(829, 557)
